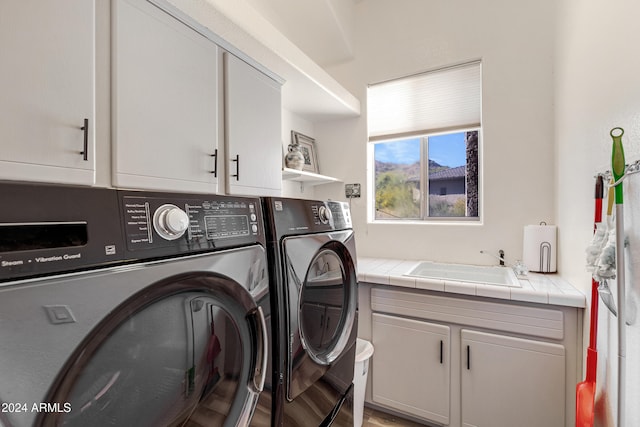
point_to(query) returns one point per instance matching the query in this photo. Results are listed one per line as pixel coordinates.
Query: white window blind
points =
(441, 100)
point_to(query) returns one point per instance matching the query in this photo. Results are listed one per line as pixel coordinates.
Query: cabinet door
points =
(165, 98)
(411, 366)
(510, 381)
(47, 75)
(252, 129)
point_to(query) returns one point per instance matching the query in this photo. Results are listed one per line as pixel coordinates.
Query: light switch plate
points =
(352, 190)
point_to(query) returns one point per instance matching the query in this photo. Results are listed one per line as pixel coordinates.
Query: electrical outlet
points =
(352, 190)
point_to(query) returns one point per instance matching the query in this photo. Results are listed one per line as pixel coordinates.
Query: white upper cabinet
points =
(165, 102)
(252, 130)
(47, 77)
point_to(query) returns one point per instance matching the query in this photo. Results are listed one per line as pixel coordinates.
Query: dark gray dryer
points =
(130, 308)
(313, 260)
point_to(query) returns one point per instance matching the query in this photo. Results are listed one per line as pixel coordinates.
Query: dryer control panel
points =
(163, 224)
(334, 214)
(298, 216)
(341, 214)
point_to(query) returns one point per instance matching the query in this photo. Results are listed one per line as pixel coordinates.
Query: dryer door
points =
(322, 300)
(191, 348)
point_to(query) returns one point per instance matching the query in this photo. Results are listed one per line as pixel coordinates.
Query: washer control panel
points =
(49, 229)
(189, 223)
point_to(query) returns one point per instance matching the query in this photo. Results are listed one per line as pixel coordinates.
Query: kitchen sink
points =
(488, 275)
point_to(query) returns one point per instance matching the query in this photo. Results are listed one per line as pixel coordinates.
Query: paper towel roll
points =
(539, 248)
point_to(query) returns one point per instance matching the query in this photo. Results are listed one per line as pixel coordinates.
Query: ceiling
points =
(322, 29)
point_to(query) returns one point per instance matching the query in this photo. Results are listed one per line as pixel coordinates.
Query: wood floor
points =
(214, 409)
(373, 418)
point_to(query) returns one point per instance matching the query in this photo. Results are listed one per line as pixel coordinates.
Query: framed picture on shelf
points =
(308, 149)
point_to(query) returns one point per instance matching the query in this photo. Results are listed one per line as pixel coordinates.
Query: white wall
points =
(556, 79)
(598, 88)
(515, 41)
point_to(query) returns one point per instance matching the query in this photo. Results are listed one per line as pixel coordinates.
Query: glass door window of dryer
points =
(325, 307)
(175, 361)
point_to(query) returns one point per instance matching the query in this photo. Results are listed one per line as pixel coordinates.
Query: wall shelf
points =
(306, 178)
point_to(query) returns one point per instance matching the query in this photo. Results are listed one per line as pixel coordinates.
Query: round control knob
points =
(324, 214)
(170, 222)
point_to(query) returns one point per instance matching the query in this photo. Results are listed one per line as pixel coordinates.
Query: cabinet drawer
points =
(538, 322)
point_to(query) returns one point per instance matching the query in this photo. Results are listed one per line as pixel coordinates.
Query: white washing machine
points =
(130, 308)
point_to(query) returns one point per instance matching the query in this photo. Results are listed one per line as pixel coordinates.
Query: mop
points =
(618, 168)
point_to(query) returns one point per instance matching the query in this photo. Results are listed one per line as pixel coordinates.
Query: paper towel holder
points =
(545, 254)
(540, 247)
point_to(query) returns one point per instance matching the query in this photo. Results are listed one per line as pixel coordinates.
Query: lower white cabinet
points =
(509, 381)
(411, 367)
(472, 363)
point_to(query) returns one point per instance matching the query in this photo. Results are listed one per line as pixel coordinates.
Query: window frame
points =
(424, 217)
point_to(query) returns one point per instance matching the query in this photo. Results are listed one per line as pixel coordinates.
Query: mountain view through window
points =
(430, 176)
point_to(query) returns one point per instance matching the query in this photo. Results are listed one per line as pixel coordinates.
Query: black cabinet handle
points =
(237, 160)
(468, 357)
(215, 163)
(85, 151)
(441, 351)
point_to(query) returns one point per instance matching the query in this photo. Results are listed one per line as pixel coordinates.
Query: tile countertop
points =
(537, 287)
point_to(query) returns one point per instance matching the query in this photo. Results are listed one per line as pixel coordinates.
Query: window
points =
(427, 177)
(424, 131)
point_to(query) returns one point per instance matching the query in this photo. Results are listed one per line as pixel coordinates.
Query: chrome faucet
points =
(499, 257)
(518, 268)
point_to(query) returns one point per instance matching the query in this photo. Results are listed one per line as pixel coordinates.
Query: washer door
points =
(323, 296)
(189, 348)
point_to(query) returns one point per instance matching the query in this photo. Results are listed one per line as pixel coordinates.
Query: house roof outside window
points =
(451, 173)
